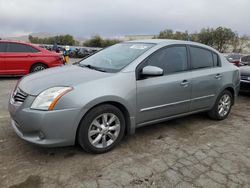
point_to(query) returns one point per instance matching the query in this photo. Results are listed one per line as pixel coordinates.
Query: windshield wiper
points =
(92, 67)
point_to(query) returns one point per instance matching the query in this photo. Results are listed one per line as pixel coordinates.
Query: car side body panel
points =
(20, 63)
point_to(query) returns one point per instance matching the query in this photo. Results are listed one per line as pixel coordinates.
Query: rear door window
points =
(20, 48)
(201, 58)
(2, 47)
(32, 50)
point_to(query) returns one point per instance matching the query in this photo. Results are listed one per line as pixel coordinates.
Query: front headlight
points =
(48, 98)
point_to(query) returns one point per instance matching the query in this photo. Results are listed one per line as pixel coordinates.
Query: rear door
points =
(167, 95)
(2, 58)
(206, 77)
(18, 59)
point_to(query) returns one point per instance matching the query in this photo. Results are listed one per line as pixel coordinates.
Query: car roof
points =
(170, 41)
(18, 42)
(25, 43)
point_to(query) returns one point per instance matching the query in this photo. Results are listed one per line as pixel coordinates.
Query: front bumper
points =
(44, 128)
(245, 85)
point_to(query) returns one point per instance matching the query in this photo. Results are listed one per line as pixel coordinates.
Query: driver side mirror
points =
(149, 71)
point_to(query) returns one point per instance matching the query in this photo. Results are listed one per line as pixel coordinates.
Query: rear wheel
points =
(222, 106)
(101, 129)
(38, 67)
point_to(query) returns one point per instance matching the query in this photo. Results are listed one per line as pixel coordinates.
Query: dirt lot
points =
(188, 152)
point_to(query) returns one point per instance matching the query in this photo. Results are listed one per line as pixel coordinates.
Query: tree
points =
(97, 41)
(60, 39)
(219, 38)
(222, 37)
(166, 34)
(170, 34)
(240, 43)
(205, 36)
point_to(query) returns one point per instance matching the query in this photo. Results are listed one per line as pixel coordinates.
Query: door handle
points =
(184, 83)
(218, 76)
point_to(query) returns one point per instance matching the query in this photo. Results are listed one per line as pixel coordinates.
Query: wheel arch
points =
(36, 63)
(232, 91)
(130, 124)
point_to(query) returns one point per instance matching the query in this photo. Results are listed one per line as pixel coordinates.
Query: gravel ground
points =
(188, 152)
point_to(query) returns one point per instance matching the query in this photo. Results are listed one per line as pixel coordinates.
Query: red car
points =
(17, 58)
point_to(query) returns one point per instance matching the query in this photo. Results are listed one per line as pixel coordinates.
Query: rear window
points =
(201, 58)
(20, 48)
(2, 46)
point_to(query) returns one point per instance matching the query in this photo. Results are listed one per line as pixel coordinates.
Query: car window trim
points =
(140, 65)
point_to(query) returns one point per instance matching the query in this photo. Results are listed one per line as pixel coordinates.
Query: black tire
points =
(37, 67)
(87, 122)
(214, 112)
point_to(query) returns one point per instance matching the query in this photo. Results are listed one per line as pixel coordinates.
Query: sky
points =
(114, 18)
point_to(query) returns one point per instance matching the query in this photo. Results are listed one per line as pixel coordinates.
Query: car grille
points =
(19, 95)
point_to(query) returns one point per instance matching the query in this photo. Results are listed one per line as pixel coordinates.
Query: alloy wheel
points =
(39, 68)
(224, 105)
(104, 130)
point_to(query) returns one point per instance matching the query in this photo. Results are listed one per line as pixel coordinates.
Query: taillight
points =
(61, 58)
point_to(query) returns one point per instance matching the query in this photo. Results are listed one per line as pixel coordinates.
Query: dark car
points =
(245, 78)
(83, 53)
(17, 58)
(245, 60)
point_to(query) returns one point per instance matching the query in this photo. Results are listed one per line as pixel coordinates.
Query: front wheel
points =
(101, 129)
(222, 106)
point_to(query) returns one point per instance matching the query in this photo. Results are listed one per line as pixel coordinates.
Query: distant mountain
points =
(25, 38)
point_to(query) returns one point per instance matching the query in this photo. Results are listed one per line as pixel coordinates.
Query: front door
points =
(167, 95)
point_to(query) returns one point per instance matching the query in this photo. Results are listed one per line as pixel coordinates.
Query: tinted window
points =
(2, 47)
(248, 58)
(201, 58)
(13, 47)
(32, 50)
(216, 60)
(172, 59)
(244, 59)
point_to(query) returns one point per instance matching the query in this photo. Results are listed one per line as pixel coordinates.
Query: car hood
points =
(35, 83)
(245, 70)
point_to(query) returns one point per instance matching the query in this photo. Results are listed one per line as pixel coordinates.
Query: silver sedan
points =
(119, 89)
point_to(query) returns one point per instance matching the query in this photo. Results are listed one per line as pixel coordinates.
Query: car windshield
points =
(116, 57)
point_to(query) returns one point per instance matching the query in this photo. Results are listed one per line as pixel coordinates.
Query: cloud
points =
(119, 17)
